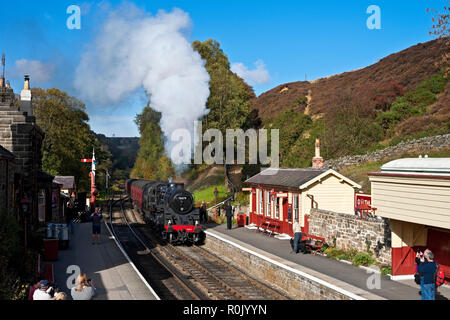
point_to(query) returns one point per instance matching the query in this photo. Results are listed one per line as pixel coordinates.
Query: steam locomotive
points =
(169, 208)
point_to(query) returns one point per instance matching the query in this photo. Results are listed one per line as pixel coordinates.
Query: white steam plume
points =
(135, 50)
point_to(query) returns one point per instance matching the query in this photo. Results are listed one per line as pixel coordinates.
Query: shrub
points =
(404, 110)
(421, 97)
(363, 259)
(386, 270)
(435, 84)
(388, 119)
(334, 253)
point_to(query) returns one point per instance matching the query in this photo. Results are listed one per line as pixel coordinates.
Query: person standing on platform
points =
(427, 269)
(96, 218)
(70, 215)
(229, 213)
(297, 235)
(203, 213)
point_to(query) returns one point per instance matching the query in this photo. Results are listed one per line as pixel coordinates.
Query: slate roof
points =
(292, 178)
(66, 182)
(5, 154)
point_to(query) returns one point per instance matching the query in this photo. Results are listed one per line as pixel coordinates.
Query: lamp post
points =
(25, 206)
(216, 192)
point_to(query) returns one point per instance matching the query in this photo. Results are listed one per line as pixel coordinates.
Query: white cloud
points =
(260, 75)
(38, 71)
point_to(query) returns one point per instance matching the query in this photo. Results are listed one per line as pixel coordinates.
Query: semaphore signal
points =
(94, 191)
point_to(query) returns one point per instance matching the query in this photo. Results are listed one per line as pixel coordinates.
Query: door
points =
(439, 243)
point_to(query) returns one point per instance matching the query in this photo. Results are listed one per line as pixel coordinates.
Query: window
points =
(268, 204)
(261, 202)
(277, 208)
(295, 205)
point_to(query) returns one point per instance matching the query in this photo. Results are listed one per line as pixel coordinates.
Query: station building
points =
(20, 156)
(281, 196)
(414, 193)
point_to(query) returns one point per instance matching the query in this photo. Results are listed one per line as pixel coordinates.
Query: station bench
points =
(310, 243)
(271, 227)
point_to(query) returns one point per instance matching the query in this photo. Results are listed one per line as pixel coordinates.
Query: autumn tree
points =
(441, 29)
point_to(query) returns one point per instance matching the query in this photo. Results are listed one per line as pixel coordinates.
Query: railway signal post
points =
(94, 191)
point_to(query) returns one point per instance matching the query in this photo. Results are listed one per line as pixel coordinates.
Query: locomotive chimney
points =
(317, 161)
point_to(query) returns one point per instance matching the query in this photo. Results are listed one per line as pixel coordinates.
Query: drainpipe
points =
(312, 201)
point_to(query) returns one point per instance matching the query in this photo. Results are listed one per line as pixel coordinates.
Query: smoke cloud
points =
(133, 50)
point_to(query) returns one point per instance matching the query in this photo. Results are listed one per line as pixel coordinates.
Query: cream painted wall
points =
(416, 200)
(405, 234)
(330, 194)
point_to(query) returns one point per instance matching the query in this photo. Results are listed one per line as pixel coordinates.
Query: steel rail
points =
(147, 250)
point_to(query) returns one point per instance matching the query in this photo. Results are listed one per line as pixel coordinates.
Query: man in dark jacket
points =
(427, 268)
(96, 218)
(229, 214)
(203, 213)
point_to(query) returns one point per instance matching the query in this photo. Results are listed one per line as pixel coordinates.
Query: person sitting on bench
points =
(298, 243)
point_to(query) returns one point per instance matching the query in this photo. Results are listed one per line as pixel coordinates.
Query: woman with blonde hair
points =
(84, 290)
(60, 296)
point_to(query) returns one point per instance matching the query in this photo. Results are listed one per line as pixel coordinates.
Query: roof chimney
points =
(317, 161)
(26, 85)
(25, 97)
(8, 85)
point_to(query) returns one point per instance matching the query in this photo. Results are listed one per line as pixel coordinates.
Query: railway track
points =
(182, 272)
(165, 280)
(205, 271)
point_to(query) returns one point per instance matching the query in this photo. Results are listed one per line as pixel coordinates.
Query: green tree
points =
(152, 163)
(68, 137)
(229, 99)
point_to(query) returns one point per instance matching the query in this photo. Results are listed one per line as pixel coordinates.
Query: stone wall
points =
(422, 145)
(293, 284)
(353, 233)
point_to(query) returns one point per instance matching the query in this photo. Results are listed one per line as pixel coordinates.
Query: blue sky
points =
(288, 38)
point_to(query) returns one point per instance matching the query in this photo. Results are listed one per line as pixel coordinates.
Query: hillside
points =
(403, 96)
(406, 68)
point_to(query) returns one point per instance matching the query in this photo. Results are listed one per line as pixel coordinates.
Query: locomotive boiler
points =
(167, 207)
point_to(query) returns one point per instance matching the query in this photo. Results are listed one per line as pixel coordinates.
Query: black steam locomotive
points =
(169, 208)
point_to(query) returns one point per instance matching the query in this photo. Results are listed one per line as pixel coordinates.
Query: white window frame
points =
(295, 205)
(268, 204)
(261, 201)
(277, 208)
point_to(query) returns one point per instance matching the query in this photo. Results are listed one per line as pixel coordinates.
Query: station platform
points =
(111, 273)
(331, 269)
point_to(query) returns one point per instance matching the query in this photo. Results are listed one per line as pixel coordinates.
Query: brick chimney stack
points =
(317, 161)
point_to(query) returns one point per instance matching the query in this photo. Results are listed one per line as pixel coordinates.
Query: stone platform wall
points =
(292, 283)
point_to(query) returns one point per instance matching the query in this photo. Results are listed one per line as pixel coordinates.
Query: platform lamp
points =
(216, 193)
(25, 203)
